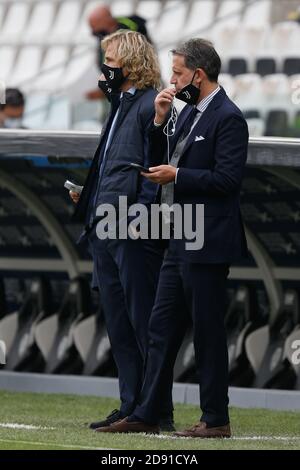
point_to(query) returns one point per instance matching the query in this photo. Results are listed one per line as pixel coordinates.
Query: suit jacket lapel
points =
(115, 101)
(106, 125)
(204, 121)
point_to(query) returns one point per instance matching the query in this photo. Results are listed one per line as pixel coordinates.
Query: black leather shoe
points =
(166, 425)
(111, 418)
(124, 426)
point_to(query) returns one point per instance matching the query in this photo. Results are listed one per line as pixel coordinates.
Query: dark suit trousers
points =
(188, 289)
(127, 272)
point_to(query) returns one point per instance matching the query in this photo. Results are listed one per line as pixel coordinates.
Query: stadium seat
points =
(294, 82)
(227, 40)
(258, 13)
(2, 14)
(15, 21)
(256, 127)
(3, 302)
(265, 66)
(294, 90)
(24, 354)
(83, 33)
(276, 92)
(295, 126)
(228, 83)
(45, 333)
(249, 92)
(122, 7)
(253, 38)
(174, 13)
(256, 346)
(83, 336)
(87, 112)
(8, 320)
(92, 342)
(149, 9)
(241, 319)
(291, 345)
(266, 346)
(200, 17)
(52, 69)
(36, 109)
(8, 329)
(284, 36)
(63, 356)
(40, 22)
(277, 123)
(58, 114)
(230, 12)
(251, 114)
(291, 66)
(237, 66)
(78, 68)
(7, 60)
(22, 75)
(63, 30)
(165, 60)
(256, 123)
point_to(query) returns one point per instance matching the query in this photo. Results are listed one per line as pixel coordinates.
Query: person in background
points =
(102, 23)
(294, 15)
(12, 112)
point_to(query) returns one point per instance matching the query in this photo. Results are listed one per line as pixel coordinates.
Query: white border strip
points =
(108, 387)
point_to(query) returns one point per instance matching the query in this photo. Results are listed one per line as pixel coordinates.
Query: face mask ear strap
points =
(193, 77)
(193, 80)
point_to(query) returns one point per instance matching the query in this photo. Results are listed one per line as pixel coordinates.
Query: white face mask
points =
(13, 123)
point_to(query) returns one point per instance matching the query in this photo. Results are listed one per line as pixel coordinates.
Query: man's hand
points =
(163, 103)
(162, 174)
(74, 196)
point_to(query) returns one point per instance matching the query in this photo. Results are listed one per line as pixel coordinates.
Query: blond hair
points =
(137, 55)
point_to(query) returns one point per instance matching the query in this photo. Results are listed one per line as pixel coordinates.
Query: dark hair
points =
(200, 54)
(13, 97)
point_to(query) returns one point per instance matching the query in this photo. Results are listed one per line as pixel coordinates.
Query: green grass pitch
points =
(61, 422)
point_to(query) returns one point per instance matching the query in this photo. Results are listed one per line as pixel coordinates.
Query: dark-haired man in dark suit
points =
(207, 156)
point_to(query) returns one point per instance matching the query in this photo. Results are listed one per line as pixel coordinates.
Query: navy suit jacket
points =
(210, 172)
(129, 144)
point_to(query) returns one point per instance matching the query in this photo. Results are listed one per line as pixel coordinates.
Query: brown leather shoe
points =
(126, 426)
(201, 431)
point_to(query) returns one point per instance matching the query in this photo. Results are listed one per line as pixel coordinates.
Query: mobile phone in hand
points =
(76, 188)
(140, 167)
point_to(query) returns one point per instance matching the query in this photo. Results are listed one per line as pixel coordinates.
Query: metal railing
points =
(277, 151)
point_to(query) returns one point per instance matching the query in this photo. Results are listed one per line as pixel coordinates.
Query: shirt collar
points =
(131, 90)
(206, 101)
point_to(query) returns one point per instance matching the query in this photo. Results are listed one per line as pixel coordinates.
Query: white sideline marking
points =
(53, 444)
(266, 438)
(234, 438)
(28, 427)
